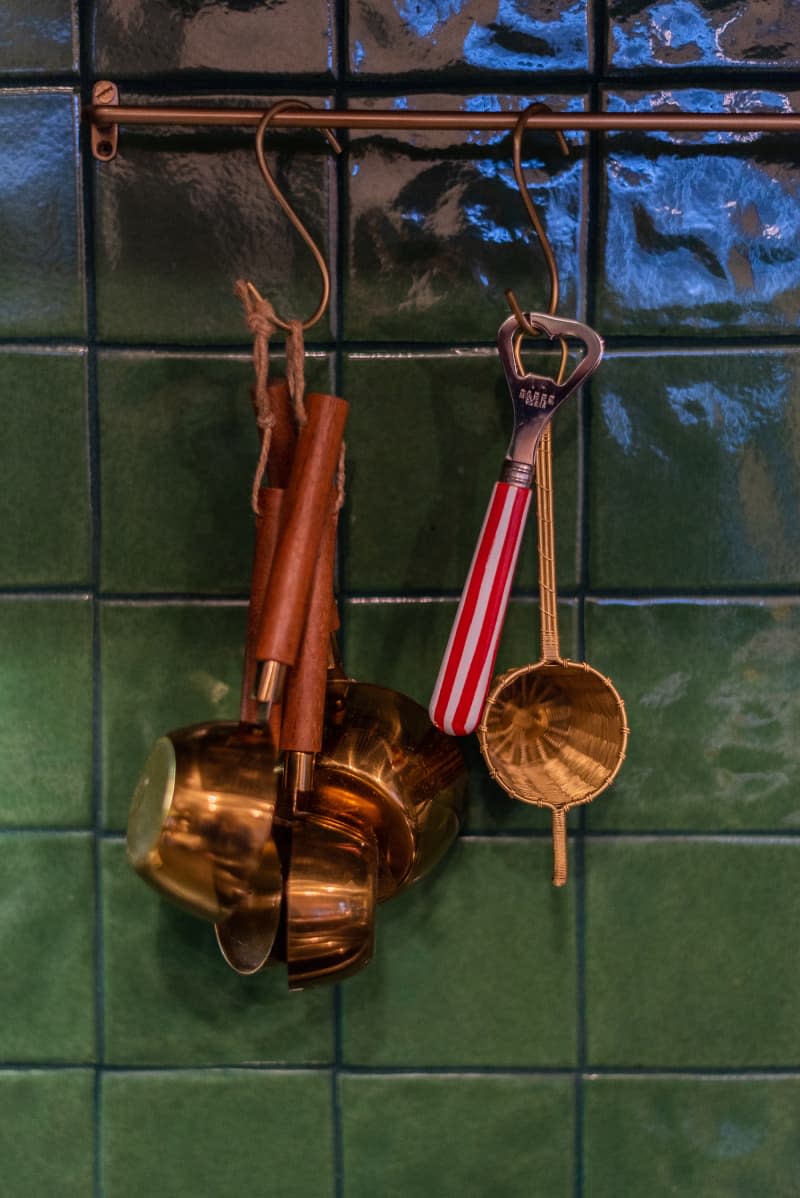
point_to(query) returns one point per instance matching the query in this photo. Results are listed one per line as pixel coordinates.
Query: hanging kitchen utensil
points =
(463, 681)
(200, 823)
(552, 734)
(246, 937)
(332, 870)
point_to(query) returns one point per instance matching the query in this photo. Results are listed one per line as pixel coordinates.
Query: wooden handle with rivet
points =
(307, 507)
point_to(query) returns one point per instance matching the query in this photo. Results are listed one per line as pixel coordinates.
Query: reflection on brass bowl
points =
(202, 814)
(330, 898)
(385, 771)
(247, 936)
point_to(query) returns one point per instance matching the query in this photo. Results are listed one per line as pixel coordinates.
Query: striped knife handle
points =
(466, 671)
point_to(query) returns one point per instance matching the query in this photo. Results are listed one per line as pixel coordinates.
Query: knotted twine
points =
(262, 323)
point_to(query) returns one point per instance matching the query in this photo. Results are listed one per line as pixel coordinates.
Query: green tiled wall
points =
(633, 1036)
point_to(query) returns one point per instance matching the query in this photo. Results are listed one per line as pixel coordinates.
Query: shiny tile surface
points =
(179, 444)
(435, 431)
(438, 231)
(451, 945)
(695, 471)
(38, 36)
(171, 1000)
(711, 694)
(700, 231)
(164, 666)
(215, 1131)
(48, 899)
(466, 36)
(704, 1136)
(631, 1036)
(693, 33)
(419, 1122)
(47, 1132)
(170, 278)
(45, 531)
(671, 970)
(155, 37)
(40, 216)
(45, 713)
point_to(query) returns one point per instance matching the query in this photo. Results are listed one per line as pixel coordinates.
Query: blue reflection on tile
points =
(706, 235)
(518, 41)
(424, 19)
(415, 35)
(703, 32)
(733, 420)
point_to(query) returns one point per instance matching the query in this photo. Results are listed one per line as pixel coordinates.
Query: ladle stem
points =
(548, 596)
(560, 857)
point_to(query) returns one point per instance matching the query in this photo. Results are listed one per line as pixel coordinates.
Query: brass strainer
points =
(553, 734)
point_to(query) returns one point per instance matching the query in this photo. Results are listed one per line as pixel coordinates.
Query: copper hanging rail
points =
(106, 115)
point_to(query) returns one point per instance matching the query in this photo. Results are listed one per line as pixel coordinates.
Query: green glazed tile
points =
(170, 999)
(45, 713)
(153, 37)
(163, 667)
(479, 37)
(400, 645)
(705, 1137)
(178, 445)
(700, 232)
(438, 230)
(180, 216)
(47, 948)
(44, 503)
(46, 1134)
(37, 36)
(217, 1135)
(426, 441)
(474, 966)
(42, 292)
(691, 956)
(695, 481)
(711, 695)
(454, 1136)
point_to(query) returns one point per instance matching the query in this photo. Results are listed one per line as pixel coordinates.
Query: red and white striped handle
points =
(466, 671)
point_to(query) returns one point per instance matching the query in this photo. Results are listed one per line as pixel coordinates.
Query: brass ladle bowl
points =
(329, 903)
(385, 771)
(202, 813)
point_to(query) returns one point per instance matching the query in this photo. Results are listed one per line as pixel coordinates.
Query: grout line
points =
(699, 1073)
(93, 435)
(341, 243)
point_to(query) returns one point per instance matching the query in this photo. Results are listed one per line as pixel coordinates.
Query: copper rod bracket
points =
(105, 136)
(106, 114)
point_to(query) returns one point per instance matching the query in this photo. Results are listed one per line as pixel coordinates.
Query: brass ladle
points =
(553, 734)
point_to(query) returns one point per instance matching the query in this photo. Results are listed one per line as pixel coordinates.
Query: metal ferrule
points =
(516, 474)
(298, 773)
(270, 682)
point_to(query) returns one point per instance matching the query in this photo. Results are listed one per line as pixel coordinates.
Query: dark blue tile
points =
(467, 36)
(700, 231)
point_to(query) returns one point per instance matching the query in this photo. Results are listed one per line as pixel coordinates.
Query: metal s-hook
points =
(263, 125)
(535, 219)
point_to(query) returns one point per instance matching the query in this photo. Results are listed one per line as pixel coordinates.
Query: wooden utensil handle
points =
(304, 697)
(466, 670)
(307, 504)
(268, 524)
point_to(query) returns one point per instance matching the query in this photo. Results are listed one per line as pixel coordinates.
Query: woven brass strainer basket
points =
(554, 734)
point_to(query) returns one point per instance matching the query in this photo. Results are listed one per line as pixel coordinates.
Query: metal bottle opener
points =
(468, 662)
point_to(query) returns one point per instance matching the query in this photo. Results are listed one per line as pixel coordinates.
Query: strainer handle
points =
(466, 671)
